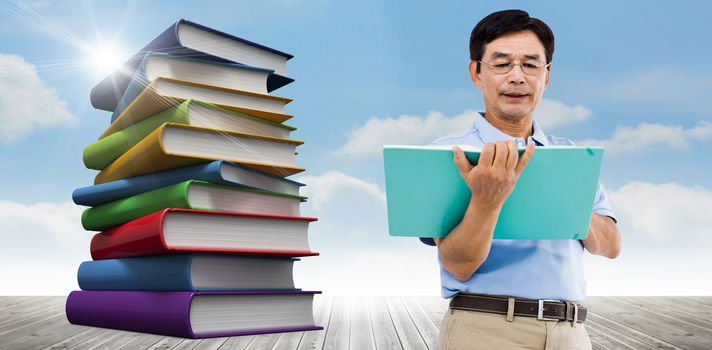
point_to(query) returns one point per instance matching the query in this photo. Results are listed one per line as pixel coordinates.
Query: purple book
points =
(194, 314)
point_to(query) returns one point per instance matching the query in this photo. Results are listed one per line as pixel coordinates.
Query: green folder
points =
(553, 198)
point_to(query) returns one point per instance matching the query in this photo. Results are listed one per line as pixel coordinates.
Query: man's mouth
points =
(515, 94)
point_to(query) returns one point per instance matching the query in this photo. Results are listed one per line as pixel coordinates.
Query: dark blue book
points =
(188, 272)
(193, 70)
(189, 39)
(218, 172)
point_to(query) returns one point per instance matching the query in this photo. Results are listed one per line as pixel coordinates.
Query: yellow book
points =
(163, 93)
(175, 146)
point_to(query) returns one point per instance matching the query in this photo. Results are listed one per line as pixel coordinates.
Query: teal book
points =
(553, 198)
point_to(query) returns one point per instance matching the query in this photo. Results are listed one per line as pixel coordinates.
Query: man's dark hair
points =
(504, 22)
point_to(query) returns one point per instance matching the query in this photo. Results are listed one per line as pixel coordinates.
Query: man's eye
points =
(501, 65)
(531, 65)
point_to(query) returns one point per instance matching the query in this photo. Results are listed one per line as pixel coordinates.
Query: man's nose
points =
(516, 75)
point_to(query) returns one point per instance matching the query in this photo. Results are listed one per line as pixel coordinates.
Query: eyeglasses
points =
(529, 68)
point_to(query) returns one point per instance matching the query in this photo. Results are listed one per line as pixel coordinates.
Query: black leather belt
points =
(545, 310)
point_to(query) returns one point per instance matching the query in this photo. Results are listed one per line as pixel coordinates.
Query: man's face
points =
(513, 95)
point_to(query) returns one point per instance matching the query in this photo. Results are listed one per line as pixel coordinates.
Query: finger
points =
(500, 155)
(524, 159)
(487, 155)
(461, 162)
(513, 155)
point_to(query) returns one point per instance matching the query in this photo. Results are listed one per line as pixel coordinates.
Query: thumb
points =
(463, 165)
(524, 159)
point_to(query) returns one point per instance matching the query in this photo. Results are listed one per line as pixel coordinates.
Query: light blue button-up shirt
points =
(534, 269)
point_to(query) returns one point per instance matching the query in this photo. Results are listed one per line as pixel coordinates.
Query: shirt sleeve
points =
(601, 206)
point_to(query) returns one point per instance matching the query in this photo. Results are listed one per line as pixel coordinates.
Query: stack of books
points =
(200, 228)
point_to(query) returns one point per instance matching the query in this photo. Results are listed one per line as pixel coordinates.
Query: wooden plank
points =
(211, 344)
(262, 342)
(337, 333)
(16, 324)
(291, 340)
(8, 302)
(42, 333)
(433, 310)
(665, 311)
(693, 302)
(426, 327)
(187, 344)
(610, 339)
(237, 343)
(78, 338)
(669, 330)
(361, 332)
(111, 340)
(143, 341)
(314, 340)
(596, 321)
(384, 331)
(407, 332)
(34, 309)
(680, 306)
(442, 303)
(166, 343)
(288, 341)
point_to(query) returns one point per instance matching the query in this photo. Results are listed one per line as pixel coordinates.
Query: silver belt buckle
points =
(540, 311)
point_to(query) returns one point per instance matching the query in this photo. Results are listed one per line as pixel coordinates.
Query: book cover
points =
(219, 172)
(104, 151)
(123, 210)
(108, 92)
(553, 198)
(145, 236)
(151, 155)
(169, 313)
(188, 272)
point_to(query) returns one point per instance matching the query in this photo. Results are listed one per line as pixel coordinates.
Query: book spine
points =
(138, 82)
(123, 210)
(103, 152)
(166, 313)
(157, 273)
(114, 190)
(141, 237)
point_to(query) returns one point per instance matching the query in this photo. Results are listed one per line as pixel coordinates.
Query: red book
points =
(173, 231)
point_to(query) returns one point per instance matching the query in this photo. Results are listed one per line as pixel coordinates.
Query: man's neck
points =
(521, 128)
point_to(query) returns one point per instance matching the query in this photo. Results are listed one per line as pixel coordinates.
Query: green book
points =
(553, 199)
(103, 152)
(191, 194)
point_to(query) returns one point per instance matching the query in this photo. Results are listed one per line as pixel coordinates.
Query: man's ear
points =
(474, 75)
(546, 79)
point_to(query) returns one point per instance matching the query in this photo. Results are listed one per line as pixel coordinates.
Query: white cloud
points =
(335, 186)
(661, 85)
(368, 140)
(667, 232)
(551, 114)
(42, 247)
(358, 257)
(26, 102)
(665, 210)
(652, 136)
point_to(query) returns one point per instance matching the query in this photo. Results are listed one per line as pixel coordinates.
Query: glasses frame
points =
(511, 66)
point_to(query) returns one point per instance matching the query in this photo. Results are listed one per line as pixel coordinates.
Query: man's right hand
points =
(493, 179)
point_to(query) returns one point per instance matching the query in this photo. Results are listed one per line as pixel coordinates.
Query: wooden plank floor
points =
(368, 323)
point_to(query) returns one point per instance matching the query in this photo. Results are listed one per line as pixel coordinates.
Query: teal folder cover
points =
(553, 198)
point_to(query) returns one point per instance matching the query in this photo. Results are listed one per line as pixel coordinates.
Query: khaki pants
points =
(478, 330)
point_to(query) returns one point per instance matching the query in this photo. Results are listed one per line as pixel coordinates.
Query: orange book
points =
(175, 146)
(163, 93)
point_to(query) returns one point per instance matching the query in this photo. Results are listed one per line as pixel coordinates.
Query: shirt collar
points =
(489, 133)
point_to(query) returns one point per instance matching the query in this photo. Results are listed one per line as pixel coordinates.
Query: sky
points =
(628, 76)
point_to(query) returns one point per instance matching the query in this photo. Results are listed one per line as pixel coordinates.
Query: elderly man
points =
(512, 294)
